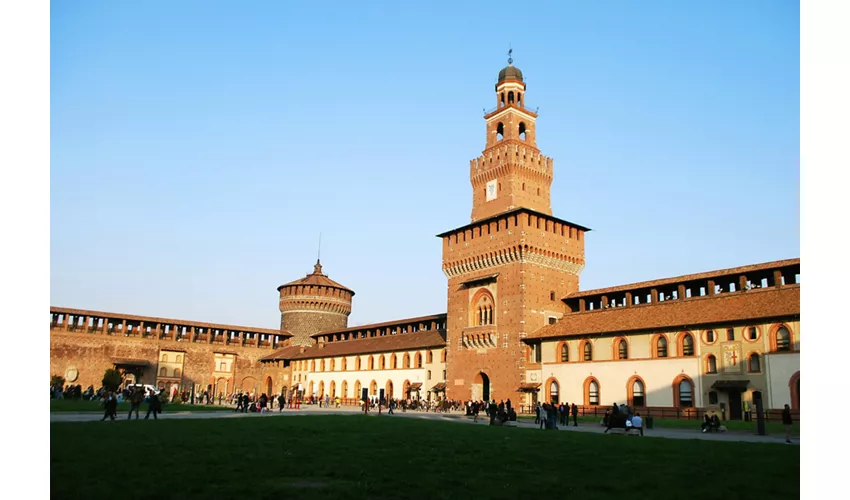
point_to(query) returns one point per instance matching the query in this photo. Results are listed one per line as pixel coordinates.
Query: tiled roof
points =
(405, 321)
(283, 353)
(723, 308)
(686, 278)
(317, 278)
(388, 343)
(166, 321)
(515, 211)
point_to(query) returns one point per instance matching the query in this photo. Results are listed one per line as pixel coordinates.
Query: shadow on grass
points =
(381, 457)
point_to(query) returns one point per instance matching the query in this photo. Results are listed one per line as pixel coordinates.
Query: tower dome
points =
(313, 304)
(510, 72)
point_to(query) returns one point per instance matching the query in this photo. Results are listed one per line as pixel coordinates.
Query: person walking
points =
(788, 422)
(153, 405)
(281, 402)
(110, 406)
(136, 399)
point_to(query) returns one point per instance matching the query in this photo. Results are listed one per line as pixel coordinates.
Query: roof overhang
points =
(509, 213)
(529, 387)
(731, 385)
(480, 279)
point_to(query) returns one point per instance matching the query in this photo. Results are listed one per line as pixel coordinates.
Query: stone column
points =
(142, 329)
(742, 282)
(681, 292)
(629, 299)
(124, 327)
(654, 294)
(710, 287)
(777, 278)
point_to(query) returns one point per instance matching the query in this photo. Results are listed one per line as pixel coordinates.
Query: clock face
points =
(491, 190)
(71, 374)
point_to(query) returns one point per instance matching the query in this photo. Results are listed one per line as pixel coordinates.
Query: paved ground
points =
(450, 417)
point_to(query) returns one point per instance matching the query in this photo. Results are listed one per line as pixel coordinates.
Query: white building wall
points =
(657, 374)
(780, 368)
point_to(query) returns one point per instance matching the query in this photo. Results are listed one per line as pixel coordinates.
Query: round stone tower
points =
(313, 304)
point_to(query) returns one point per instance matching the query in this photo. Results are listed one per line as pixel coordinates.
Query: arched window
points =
(418, 360)
(373, 388)
(511, 97)
(638, 395)
(357, 388)
(591, 392)
(443, 354)
(519, 98)
(687, 345)
(357, 363)
(165, 358)
(502, 99)
(500, 131)
(622, 349)
(406, 360)
(322, 388)
(344, 366)
(430, 356)
(429, 375)
(710, 336)
(383, 363)
(481, 309)
(222, 367)
(162, 372)
(332, 363)
(371, 363)
(711, 364)
(588, 351)
(344, 389)
(394, 362)
(754, 363)
(522, 130)
(322, 365)
(313, 365)
(661, 347)
(177, 372)
(683, 392)
(552, 390)
(565, 352)
(179, 358)
(783, 339)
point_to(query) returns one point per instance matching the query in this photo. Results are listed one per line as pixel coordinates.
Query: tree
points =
(57, 381)
(112, 379)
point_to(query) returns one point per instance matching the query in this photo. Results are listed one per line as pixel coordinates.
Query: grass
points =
(347, 457)
(124, 407)
(677, 423)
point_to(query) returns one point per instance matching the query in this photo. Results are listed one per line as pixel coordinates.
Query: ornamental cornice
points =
(529, 256)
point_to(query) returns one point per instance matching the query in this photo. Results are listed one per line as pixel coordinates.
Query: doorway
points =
(734, 405)
(481, 387)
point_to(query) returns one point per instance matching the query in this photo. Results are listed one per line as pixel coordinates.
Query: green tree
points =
(57, 381)
(112, 379)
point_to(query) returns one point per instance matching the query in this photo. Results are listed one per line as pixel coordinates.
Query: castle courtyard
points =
(409, 456)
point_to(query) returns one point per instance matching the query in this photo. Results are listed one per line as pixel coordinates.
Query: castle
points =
(516, 326)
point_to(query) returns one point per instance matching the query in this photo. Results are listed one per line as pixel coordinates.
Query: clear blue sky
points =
(198, 148)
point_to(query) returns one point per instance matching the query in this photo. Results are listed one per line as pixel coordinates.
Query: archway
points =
(269, 386)
(332, 389)
(389, 389)
(249, 384)
(481, 387)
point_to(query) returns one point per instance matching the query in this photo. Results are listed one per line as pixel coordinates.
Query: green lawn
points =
(339, 457)
(674, 423)
(123, 408)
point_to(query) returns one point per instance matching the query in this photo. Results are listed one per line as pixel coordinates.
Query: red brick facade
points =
(508, 270)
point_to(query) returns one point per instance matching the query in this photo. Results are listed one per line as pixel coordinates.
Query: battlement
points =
(510, 154)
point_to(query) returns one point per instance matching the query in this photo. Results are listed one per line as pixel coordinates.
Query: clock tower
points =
(510, 172)
(510, 267)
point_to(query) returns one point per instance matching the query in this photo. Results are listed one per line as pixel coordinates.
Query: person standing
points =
(788, 422)
(281, 402)
(153, 405)
(575, 415)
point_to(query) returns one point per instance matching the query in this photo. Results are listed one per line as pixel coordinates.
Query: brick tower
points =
(313, 304)
(508, 270)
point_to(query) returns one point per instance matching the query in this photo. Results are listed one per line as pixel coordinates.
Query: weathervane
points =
(510, 51)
